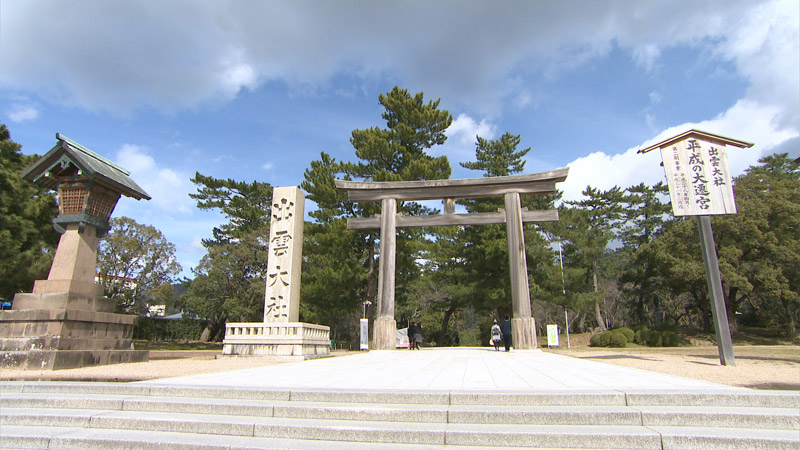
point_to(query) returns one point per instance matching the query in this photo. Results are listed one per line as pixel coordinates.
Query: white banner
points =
(552, 335)
(364, 334)
(698, 177)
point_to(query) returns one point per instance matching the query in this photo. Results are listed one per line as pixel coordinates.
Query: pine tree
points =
(27, 237)
(398, 152)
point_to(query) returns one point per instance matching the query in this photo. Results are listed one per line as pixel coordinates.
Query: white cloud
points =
(746, 121)
(655, 98)
(196, 52)
(169, 189)
(236, 75)
(21, 113)
(267, 165)
(464, 130)
(646, 56)
(461, 138)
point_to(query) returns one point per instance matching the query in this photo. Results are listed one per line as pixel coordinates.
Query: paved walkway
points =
(447, 369)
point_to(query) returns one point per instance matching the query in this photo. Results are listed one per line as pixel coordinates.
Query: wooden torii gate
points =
(511, 187)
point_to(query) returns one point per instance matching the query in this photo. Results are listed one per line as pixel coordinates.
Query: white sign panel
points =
(699, 178)
(364, 334)
(552, 335)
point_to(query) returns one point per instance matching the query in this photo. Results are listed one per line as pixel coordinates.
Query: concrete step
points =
(729, 417)
(743, 397)
(661, 438)
(76, 438)
(100, 415)
(498, 433)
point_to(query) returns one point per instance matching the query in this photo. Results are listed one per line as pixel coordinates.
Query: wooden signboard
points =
(696, 165)
(698, 177)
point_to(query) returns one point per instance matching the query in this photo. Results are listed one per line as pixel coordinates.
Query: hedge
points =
(611, 338)
(160, 329)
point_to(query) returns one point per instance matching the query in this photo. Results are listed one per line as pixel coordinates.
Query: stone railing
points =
(277, 332)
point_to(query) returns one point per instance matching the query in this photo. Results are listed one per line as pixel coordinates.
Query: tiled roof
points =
(96, 167)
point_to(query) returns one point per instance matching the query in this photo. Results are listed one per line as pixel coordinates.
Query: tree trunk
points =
(581, 319)
(214, 330)
(445, 322)
(790, 316)
(204, 336)
(730, 309)
(597, 313)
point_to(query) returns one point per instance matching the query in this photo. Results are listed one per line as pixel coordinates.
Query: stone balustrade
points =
(292, 339)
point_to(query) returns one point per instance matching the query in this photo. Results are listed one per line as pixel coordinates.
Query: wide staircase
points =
(67, 415)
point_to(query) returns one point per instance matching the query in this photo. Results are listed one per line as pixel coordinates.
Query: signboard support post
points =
(718, 310)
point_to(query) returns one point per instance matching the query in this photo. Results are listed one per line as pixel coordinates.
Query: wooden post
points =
(385, 325)
(523, 327)
(718, 310)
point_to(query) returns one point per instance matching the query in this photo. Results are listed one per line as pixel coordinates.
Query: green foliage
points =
(657, 338)
(483, 250)
(229, 281)
(627, 332)
(586, 228)
(609, 338)
(27, 237)
(160, 329)
(334, 281)
(498, 158)
(758, 251)
(645, 216)
(768, 241)
(395, 153)
(640, 334)
(134, 262)
(243, 204)
(398, 152)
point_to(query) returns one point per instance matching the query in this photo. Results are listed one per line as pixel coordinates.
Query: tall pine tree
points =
(398, 152)
(27, 237)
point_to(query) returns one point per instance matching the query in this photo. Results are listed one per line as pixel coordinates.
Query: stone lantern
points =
(66, 321)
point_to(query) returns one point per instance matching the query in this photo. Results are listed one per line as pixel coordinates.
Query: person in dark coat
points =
(505, 327)
(412, 329)
(417, 336)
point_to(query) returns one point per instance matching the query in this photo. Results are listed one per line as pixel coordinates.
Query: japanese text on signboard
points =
(698, 177)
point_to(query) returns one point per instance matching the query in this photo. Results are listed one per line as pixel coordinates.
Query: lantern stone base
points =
(278, 341)
(523, 333)
(65, 330)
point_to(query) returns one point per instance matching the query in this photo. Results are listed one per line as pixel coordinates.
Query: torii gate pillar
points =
(385, 325)
(522, 323)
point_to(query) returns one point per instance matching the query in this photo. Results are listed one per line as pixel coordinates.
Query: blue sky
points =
(255, 90)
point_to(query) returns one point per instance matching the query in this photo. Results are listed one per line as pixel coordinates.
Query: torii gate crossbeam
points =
(511, 187)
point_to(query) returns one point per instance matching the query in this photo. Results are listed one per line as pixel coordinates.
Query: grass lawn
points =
(176, 345)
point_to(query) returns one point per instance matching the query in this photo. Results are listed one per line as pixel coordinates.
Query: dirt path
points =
(757, 367)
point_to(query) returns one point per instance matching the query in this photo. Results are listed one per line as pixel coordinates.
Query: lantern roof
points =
(702, 135)
(88, 163)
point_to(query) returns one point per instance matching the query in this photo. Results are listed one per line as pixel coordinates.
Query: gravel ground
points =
(757, 367)
(762, 367)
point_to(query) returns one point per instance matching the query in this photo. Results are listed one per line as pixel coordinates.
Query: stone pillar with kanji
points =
(282, 299)
(281, 336)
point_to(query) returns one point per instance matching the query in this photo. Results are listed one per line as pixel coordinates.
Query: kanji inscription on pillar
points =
(698, 177)
(282, 300)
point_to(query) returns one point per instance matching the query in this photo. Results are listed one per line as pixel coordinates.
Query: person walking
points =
(497, 336)
(417, 336)
(505, 328)
(412, 329)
